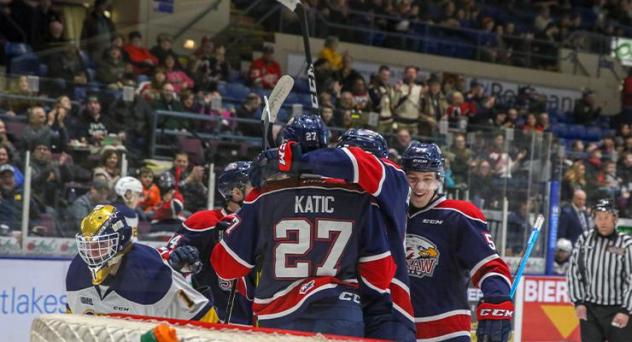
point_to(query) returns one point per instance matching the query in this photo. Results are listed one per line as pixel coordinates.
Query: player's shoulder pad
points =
(78, 276)
(319, 182)
(202, 220)
(464, 208)
(144, 277)
(392, 164)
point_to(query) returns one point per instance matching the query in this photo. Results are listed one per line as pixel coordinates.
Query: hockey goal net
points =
(66, 327)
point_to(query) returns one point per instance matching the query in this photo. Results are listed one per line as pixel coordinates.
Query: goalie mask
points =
(104, 238)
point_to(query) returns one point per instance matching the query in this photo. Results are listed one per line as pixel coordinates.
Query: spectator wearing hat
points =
(142, 60)
(164, 48)
(93, 126)
(563, 249)
(11, 199)
(37, 129)
(265, 71)
(574, 219)
(99, 193)
(436, 104)
(586, 109)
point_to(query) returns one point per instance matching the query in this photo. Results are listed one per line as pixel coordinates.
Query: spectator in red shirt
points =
(142, 60)
(265, 71)
(175, 76)
(458, 108)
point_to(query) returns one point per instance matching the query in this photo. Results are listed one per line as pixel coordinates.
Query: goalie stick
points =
(533, 238)
(272, 107)
(268, 116)
(292, 5)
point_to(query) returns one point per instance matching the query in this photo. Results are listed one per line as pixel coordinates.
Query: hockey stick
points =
(292, 5)
(533, 238)
(272, 107)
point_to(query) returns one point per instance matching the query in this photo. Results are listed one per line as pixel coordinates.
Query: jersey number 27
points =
(301, 242)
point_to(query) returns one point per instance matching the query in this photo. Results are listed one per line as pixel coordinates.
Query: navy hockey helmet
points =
(166, 182)
(263, 167)
(423, 157)
(366, 139)
(606, 205)
(308, 130)
(234, 175)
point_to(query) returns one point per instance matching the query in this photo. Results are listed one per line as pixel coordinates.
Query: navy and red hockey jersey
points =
(317, 238)
(386, 181)
(447, 245)
(199, 231)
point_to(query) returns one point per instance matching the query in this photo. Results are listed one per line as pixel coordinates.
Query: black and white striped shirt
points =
(601, 270)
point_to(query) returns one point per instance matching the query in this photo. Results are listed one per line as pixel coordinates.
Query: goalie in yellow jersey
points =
(112, 274)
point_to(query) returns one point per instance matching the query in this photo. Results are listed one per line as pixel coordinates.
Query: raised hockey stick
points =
(292, 5)
(272, 107)
(533, 238)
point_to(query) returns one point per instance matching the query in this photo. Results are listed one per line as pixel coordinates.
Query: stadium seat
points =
(16, 49)
(236, 91)
(193, 147)
(25, 64)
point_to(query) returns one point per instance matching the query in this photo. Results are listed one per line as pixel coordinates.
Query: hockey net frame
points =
(120, 328)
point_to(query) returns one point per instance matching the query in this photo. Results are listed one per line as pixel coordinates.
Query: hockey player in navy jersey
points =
(112, 274)
(361, 157)
(447, 245)
(189, 250)
(317, 237)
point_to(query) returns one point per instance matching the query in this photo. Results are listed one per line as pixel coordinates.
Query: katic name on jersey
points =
(313, 204)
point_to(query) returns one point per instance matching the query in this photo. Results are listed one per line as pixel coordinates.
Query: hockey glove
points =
(185, 259)
(494, 320)
(225, 223)
(289, 156)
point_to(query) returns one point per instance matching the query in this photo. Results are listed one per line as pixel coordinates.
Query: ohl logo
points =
(422, 256)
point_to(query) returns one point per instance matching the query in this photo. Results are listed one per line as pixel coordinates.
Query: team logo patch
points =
(422, 256)
(306, 287)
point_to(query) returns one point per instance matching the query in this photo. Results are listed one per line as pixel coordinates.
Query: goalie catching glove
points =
(494, 320)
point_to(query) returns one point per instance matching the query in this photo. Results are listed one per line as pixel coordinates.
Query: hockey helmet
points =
(166, 183)
(130, 189)
(103, 239)
(564, 245)
(308, 130)
(606, 205)
(366, 139)
(235, 175)
(423, 157)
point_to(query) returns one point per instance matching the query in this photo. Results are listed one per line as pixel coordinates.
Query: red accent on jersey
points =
(401, 298)
(378, 272)
(291, 298)
(464, 207)
(496, 265)
(391, 163)
(444, 326)
(370, 171)
(496, 312)
(252, 195)
(227, 266)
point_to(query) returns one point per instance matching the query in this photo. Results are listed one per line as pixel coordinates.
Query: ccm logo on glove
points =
(501, 313)
(495, 311)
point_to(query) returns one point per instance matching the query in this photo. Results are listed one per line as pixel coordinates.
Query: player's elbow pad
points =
(378, 273)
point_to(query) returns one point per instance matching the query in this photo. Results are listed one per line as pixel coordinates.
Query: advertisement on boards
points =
(29, 288)
(544, 311)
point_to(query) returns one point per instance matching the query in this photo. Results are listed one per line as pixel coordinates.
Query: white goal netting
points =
(66, 327)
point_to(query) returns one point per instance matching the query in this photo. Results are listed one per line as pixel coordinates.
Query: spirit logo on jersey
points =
(422, 256)
(306, 287)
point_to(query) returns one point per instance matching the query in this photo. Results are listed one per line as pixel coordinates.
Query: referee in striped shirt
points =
(600, 279)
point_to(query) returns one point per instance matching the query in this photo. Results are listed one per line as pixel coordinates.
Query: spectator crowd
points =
(89, 122)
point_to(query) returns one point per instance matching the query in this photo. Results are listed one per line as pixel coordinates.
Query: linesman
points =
(600, 278)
